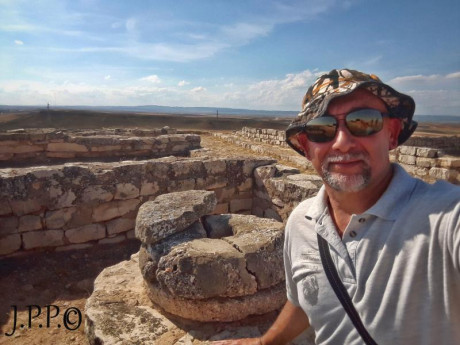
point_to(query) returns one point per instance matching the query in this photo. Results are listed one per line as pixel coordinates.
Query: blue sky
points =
(239, 53)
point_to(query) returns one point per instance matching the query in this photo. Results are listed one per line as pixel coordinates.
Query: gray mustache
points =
(335, 158)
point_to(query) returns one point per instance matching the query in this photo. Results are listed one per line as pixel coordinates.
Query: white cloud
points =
(152, 79)
(453, 75)
(415, 78)
(182, 83)
(107, 77)
(434, 94)
(284, 93)
(19, 42)
(198, 89)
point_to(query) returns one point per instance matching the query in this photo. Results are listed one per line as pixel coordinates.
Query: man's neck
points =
(342, 205)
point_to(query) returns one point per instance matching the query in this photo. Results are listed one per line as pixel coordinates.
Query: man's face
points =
(349, 163)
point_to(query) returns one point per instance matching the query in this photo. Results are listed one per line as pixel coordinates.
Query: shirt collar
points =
(397, 194)
(387, 207)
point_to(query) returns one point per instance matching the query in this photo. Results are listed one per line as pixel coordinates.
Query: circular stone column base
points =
(220, 308)
(119, 312)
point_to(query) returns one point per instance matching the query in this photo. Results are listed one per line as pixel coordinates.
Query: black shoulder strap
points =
(340, 290)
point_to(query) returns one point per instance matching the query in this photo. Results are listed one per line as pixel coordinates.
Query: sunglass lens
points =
(364, 122)
(322, 129)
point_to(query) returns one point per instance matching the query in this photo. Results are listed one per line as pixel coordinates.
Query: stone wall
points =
(422, 157)
(265, 135)
(80, 204)
(36, 147)
(278, 189)
(428, 163)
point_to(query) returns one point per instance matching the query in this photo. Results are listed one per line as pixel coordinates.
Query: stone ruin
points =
(211, 228)
(194, 265)
(207, 267)
(217, 258)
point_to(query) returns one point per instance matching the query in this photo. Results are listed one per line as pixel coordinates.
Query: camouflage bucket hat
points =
(341, 82)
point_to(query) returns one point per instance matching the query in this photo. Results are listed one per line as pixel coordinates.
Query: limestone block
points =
(149, 188)
(211, 182)
(427, 152)
(126, 206)
(119, 225)
(85, 233)
(150, 255)
(240, 205)
(408, 150)
(449, 162)
(215, 167)
(178, 148)
(263, 173)
(442, 173)
(96, 194)
(9, 225)
(181, 185)
(185, 169)
(21, 148)
(29, 223)
(61, 197)
(21, 207)
(421, 171)
(42, 239)
(114, 209)
(119, 312)
(81, 216)
(187, 270)
(250, 165)
(171, 213)
(424, 162)
(263, 251)
(126, 191)
(10, 243)
(406, 159)
(57, 219)
(66, 147)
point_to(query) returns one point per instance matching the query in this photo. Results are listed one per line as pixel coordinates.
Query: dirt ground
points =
(62, 279)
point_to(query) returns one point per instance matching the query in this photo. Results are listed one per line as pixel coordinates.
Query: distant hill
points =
(206, 111)
(159, 109)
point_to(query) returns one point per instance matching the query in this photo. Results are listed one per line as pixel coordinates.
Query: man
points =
(394, 240)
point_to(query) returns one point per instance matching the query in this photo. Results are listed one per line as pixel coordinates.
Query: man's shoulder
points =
(438, 192)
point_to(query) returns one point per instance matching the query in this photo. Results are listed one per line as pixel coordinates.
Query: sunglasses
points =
(360, 123)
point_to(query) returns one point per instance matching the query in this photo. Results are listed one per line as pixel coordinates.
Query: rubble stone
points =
(171, 213)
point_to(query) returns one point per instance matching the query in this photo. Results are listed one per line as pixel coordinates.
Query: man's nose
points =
(343, 140)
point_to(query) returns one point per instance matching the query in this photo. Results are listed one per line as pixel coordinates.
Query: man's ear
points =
(395, 127)
(303, 141)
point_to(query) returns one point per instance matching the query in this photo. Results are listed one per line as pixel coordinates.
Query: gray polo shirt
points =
(399, 261)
